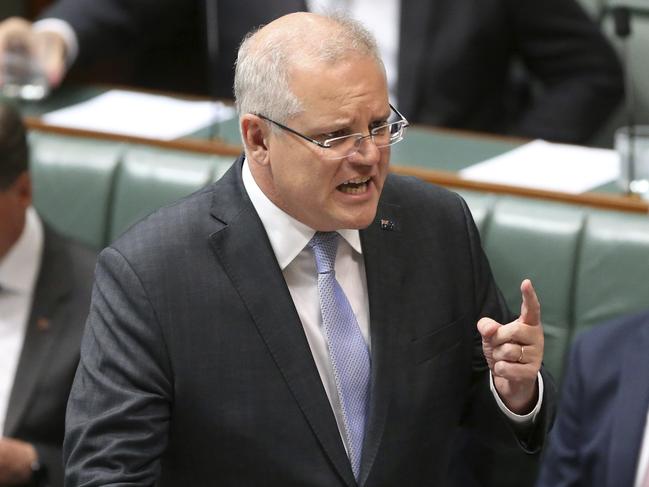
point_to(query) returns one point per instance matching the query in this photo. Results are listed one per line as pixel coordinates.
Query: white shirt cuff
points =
(62, 28)
(524, 419)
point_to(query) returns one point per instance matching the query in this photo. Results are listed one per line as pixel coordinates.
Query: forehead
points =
(352, 86)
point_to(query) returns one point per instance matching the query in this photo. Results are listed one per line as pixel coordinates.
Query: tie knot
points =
(324, 245)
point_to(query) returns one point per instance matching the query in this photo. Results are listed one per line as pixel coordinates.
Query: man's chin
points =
(361, 221)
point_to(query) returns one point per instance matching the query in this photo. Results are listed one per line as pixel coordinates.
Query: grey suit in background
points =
(195, 368)
(50, 353)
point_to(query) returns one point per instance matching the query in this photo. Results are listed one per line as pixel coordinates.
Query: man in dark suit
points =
(224, 346)
(601, 436)
(455, 67)
(45, 283)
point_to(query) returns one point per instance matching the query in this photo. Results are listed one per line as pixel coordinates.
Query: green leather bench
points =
(93, 190)
(587, 265)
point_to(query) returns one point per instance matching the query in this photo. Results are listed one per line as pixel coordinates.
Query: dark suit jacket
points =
(195, 366)
(597, 438)
(50, 351)
(456, 57)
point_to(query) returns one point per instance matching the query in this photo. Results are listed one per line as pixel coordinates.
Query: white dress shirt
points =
(642, 471)
(62, 28)
(18, 273)
(288, 238)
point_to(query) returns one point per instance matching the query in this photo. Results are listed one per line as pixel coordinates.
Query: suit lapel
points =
(243, 248)
(630, 410)
(381, 251)
(52, 287)
(415, 28)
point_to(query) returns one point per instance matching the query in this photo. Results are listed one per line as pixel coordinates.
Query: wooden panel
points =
(443, 178)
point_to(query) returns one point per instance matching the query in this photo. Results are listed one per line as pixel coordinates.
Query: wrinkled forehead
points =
(345, 93)
(350, 72)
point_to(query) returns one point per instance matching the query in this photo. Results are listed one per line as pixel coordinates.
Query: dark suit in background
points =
(50, 353)
(600, 424)
(457, 58)
(196, 366)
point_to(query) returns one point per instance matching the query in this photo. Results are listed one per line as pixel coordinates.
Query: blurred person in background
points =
(521, 67)
(601, 436)
(45, 283)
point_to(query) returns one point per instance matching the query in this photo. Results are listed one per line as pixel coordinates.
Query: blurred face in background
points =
(14, 201)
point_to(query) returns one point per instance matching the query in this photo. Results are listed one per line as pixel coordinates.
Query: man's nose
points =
(367, 151)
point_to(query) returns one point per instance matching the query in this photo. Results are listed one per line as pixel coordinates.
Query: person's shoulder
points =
(423, 202)
(606, 337)
(170, 223)
(71, 265)
(80, 259)
(412, 191)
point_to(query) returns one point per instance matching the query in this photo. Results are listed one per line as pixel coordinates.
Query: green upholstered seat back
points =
(92, 190)
(481, 206)
(613, 269)
(149, 178)
(587, 265)
(72, 180)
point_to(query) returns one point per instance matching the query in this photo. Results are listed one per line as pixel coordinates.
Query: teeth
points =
(357, 180)
(354, 186)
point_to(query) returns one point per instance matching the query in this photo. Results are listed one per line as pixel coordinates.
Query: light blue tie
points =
(350, 357)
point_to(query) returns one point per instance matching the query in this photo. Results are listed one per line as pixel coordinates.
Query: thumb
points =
(487, 327)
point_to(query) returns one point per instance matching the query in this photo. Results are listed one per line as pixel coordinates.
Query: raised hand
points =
(46, 48)
(514, 352)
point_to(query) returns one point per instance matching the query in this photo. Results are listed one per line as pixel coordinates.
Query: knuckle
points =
(500, 368)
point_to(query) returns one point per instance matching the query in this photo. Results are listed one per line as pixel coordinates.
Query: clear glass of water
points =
(634, 166)
(23, 76)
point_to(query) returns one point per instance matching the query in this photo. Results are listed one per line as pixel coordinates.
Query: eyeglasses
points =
(347, 145)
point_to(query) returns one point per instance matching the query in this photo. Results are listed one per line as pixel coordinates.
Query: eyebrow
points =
(346, 122)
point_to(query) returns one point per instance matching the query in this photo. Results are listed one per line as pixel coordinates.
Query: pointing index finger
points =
(530, 308)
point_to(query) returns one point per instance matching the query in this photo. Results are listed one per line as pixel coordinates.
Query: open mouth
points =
(354, 186)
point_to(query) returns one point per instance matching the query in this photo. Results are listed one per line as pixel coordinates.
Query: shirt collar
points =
(287, 235)
(20, 266)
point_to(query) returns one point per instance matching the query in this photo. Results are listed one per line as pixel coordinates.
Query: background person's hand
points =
(514, 353)
(17, 37)
(16, 459)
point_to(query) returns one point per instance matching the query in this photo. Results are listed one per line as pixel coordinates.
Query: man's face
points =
(329, 194)
(14, 201)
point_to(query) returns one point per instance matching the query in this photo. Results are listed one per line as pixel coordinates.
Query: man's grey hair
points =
(261, 80)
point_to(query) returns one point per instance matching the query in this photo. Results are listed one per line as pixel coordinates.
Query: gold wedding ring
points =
(520, 359)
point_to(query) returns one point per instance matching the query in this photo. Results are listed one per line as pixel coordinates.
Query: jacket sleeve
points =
(119, 407)
(490, 450)
(110, 27)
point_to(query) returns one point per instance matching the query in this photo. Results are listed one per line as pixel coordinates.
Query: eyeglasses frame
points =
(324, 145)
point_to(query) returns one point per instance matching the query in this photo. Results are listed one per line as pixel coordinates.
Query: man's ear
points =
(255, 133)
(22, 188)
